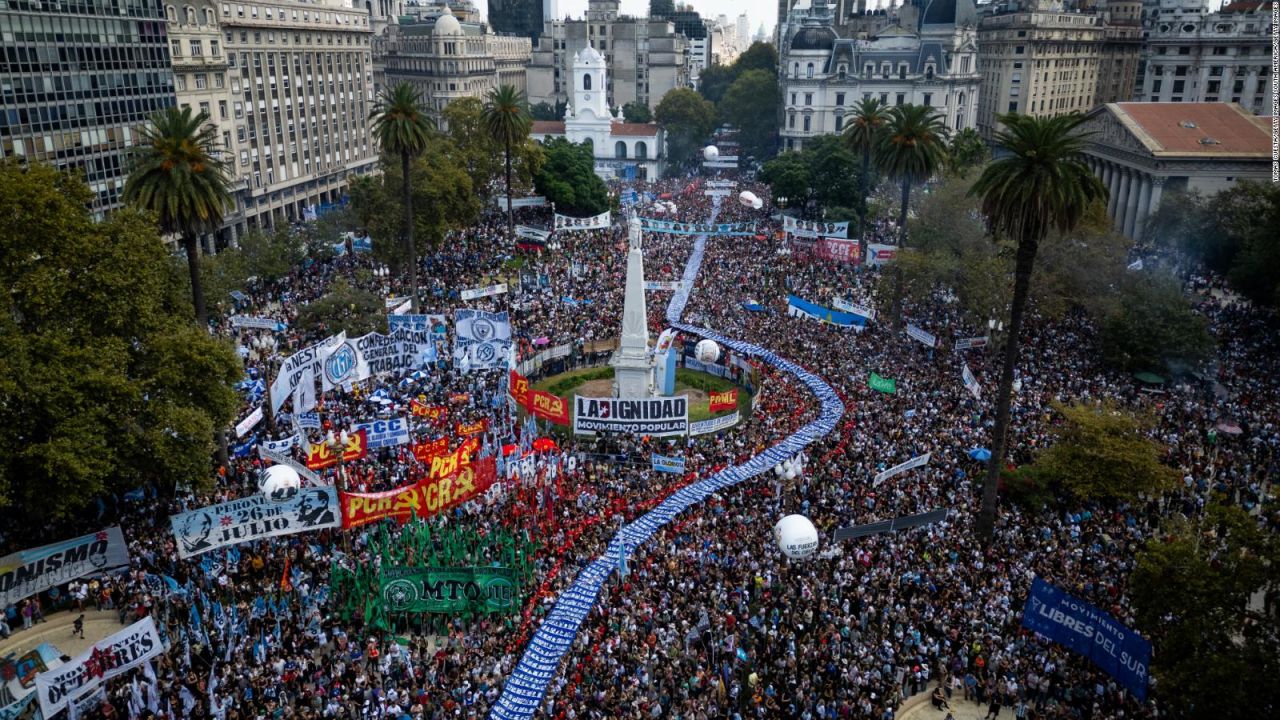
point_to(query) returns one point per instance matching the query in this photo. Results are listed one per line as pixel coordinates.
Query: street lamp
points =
(338, 446)
(266, 347)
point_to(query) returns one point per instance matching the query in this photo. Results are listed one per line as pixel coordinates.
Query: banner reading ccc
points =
(658, 417)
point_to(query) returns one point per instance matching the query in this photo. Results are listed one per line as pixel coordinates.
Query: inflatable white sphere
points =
(748, 198)
(778, 470)
(710, 152)
(790, 475)
(796, 536)
(279, 481)
(706, 351)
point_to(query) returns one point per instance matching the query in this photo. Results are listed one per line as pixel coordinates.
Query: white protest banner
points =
(281, 446)
(385, 433)
(914, 462)
(250, 420)
(402, 308)
(484, 338)
(722, 183)
(717, 192)
(500, 202)
(253, 518)
(972, 342)
(595, 222)
(657, 417)
(27, 572)
(486, 291)
(532, 233)
(814, 229)
(291, 371)
(663, 284)
(258, 323)
(866, 312)
(971, 382)
(304, 395)
(107, 659)
(878, 254)
(282, 458)
(395, 301)
(723, 162)
(376, 354)
(673, 227)
(926, 338)
(724, 422)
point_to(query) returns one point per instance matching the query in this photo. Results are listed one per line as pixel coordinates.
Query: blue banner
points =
(1118, 650)
(804, 308)
(667, 464)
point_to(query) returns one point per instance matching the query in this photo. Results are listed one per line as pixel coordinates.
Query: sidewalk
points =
(919, 707)
(57, 631)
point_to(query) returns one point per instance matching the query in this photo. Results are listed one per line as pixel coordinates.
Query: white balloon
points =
(791, 475)
(706, 351)
(279, 482)
(777, 470)
(710, 152)
(796, 536)
(748, 198)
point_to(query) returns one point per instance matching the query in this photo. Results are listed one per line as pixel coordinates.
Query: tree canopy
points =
(568, 179)
(822, 176)
(637, 112)
(751, 105)
(1152, 326)
(106, 385)
(688, 120)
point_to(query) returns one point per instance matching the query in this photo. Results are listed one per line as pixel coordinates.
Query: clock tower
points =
(590, 86)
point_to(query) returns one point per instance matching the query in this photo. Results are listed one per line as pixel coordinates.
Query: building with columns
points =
(621, 149)
(1145, 151)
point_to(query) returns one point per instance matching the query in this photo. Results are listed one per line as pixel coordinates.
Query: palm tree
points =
(967, 150)
(1040, 182)
(911, 149)
(869, 118)
(506, 115)
(403, 128)
(178, 174)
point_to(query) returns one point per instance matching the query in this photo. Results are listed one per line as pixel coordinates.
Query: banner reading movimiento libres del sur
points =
(449, 590)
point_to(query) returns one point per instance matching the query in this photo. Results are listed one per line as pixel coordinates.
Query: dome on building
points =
(589, 56)
(447, 25)
(814, 37)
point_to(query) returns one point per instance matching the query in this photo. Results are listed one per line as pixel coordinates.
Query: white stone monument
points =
(633, 367)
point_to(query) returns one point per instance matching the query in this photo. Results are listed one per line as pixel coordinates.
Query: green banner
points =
(882, 384)
(449, 590)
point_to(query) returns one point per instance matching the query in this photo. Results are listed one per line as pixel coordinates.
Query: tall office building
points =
(517, 17)
(1121, 49)
(1038, 60)
(77, 80)
(1194, 55)
(289, 85)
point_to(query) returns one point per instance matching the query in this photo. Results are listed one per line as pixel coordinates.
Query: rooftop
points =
(1211, 129)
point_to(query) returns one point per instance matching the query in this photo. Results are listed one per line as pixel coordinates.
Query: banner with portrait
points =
(814, 229)
(673, 227)
(484, 338)
(253, 518)
(27, 572)
(595, 222)
(449, 590)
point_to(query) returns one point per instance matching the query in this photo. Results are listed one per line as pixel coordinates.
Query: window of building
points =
(791, 120)
(176, 48)
(839, 99)
(928, 99)
(793, 98)
(808, 71)
(180, 82)
(202, 81)
(839, 123)
(222, 109)
(197, 48)
(806, 123)
(902, 71)
(1179, 86)
(869, 70)
(620, 150)
(586, 82)
(902, 99)
(884, 98)
(808, 99)
(1013, 107)
(642, 150)
(1019, 50)
(204, 108)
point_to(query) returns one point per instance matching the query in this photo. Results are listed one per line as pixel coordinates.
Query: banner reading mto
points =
(1118, 650)
(449, 590)
(28, 572)
(657, 417)
(107, 658)
(253, 518)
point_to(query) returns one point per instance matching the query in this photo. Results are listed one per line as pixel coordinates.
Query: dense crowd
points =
(711, 620)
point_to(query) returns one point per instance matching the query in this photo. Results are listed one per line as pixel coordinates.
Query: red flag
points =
(286, 583)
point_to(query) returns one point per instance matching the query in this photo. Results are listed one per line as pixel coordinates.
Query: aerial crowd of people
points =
(710, 620)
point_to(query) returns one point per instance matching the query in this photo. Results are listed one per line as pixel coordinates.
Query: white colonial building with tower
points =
(621, 149)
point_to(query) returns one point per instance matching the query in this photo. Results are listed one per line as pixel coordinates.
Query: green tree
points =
(105, 383)
(402, 128)
(1216, 651)
(760, 56)
(546, 111)
(715, 80)
(1153, 327)
(865, 125)
(910, 149)
(178, 174)
(788, 177)
(355, 310)
(474, 148)
(507, 119)
(751, 105)
(1101, 452)
(1040, 182)
(637, 112)
(834, 174)
(688, 120)
(568, 179)
(967, 151)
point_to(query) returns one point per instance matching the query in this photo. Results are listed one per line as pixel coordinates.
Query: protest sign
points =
(723, 400)
(914, 462)
(253, 518)
(108, 658)
(385, 433)
(667, 464)
(449, 590)
(321, 456)
(27, 572)
(921, 335)
(483, 337)
(657, 417)
(882, 384)
(548, 407)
